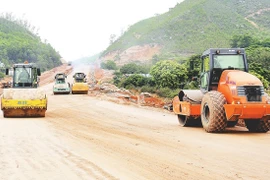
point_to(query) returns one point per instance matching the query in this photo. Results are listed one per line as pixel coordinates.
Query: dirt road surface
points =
(84, 138)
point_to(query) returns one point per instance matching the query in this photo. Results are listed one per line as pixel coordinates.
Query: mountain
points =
(191, 27)
(86, 60)
(19, 41)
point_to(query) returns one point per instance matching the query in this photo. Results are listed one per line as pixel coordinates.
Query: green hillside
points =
(20, 42)
(193, 26)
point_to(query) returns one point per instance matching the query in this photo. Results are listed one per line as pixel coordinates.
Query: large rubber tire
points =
(231, 123)
(188, 121)
(212, 112)
(256, 125)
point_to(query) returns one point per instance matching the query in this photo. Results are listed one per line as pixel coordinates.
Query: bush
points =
(264, 81)
(2, 75)
(110, 65)
(130, 68)
(169, 73)
(135, 80)
(117, 78)
(133, 68)
(167, 92)
(148, 88)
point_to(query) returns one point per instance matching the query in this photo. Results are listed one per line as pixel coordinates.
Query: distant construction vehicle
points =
(61, 86)
(79, 85)
(24, 99)
(227, 93)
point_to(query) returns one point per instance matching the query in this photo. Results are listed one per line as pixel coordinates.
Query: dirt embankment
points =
(48, 76)
(104, 88)
(136, 53)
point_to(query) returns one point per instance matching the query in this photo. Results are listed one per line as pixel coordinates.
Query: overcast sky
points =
(78, 28)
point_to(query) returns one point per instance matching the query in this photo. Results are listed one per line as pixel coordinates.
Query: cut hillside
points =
(140, 54)
(191, 27)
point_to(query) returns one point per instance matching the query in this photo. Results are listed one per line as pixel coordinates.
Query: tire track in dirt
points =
(155, 148)
(86, 138)
(40, 155)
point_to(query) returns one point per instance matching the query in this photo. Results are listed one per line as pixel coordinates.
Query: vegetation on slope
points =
(168, 76)
(19, 42)
(193, 26)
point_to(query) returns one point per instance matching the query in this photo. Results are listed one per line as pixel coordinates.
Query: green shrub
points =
(130, 68)
(110, 65)
(167, 92)
(148, 88)
(135, 80)
(2, 75)
(169, 73)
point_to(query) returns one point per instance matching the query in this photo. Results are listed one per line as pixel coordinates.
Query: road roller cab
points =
(79, 85)
(227, 93)
(24, 99)
(61, 85)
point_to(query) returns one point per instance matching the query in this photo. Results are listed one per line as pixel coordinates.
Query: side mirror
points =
(38, 72)
(7, 71)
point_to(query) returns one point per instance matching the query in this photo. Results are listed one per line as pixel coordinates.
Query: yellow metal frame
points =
(22, 103)
(80, 87)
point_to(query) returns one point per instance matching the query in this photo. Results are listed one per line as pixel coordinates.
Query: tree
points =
(19, 42)
(169, 73)
(193, 64)
(130, 68)
(242, 41)
(135, 80)
(264, 81)
(259, 61)
(265, 43)
(110, 64)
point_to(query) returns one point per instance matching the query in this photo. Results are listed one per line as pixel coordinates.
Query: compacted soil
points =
(83, 137)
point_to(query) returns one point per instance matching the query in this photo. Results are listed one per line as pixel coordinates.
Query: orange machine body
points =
(237, 106)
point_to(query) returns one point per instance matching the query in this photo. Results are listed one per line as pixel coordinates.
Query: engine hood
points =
(240, 78)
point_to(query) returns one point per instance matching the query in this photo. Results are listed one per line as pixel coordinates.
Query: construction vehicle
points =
(61, 86)
(227, 93)
(79, 85)
(25, 98)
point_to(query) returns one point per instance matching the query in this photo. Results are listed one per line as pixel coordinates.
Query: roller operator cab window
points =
(22, 75)
(205, 72)
(61, 81)
(229, 61)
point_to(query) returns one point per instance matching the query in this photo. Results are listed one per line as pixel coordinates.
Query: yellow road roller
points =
(24, 98)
